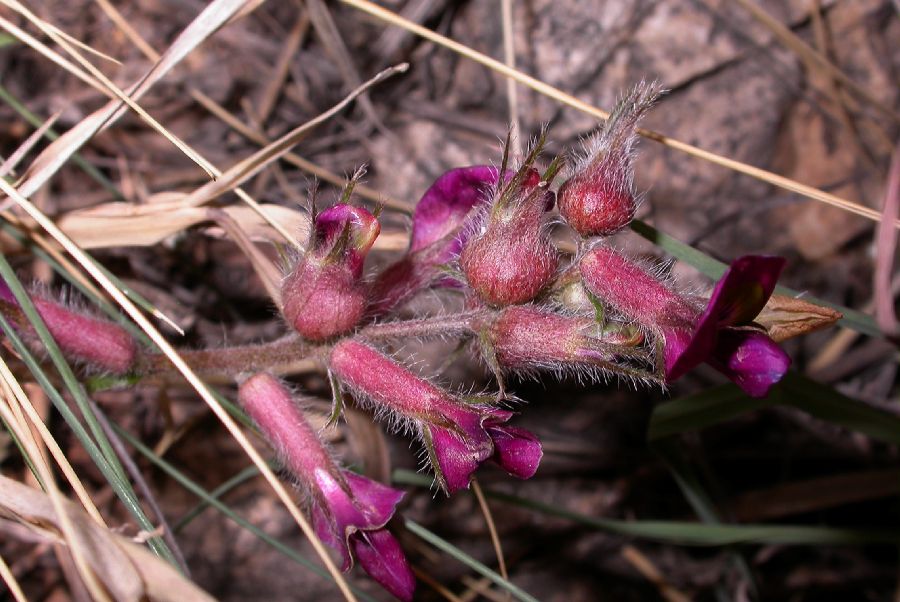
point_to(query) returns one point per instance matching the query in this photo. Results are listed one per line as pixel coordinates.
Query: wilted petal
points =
(444, 206)
(381, 556)
(750, 359)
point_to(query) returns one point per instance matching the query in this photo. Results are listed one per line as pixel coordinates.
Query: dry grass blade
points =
(568, 99)
(812, 57)
(77, 486)
(42, 49)
(296, 160)
(252, 165)
(492, 528)
(189, 375)
(128, 571)
(115, 224)
(512, 93)
(646, 568)
(119, 93)
(267, 271)
(25, 147)
(12, 390)
(273, 87)
(11, 584)
(886, 245)
(58, 153)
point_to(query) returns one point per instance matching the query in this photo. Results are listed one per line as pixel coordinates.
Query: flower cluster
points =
(483, 234)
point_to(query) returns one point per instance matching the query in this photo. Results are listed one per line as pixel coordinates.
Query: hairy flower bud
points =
(527, 338)
(458, 436)
(349, 512)
(323, 295)
(511, 258)
(100, 344)
(598, 197)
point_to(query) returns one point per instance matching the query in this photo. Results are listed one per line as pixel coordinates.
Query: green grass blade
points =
(122, 489)
(451, 550)
(232, 483)
(714, 269)
(98, 447)
(690, 533)
(211, 500)
(710, 407)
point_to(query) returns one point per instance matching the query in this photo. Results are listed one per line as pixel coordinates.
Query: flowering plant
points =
(484, 235)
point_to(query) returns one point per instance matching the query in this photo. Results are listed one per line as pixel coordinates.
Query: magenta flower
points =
(349, 512)
(323, 295)
(438, 234)
(458, 436)
(721, 334)
(100, 344)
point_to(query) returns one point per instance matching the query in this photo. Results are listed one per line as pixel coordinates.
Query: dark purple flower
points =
(323, 295)
(721, 335)
(438, 234)
(100, 344)
(458, 436)
(349, 512)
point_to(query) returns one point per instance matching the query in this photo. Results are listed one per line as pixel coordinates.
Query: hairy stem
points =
(277, 356)
(437, 326)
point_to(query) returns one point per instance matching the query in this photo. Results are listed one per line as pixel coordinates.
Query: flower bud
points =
(100, 344)
(323, 295)
(458, 436)
(511, 258)
(598, 198)
(527, 338)
(349, 512)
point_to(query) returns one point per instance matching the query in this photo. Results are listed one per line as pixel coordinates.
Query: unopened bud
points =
(323, 295)
(598, 198)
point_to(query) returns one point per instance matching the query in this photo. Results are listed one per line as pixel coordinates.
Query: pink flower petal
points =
(381, 556)
(516, 450)
(751, 359)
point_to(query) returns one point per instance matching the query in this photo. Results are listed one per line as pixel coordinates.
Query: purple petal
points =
(458, 457)
(751, 359)
(327, 532)
(516, 450)
(444, 207)
(381, 556)
(743, 290)
(377, 501)
(739, 296)
(363, 229)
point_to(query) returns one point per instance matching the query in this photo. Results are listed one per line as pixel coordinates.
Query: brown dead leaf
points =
(127, 570)
(787, 317)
